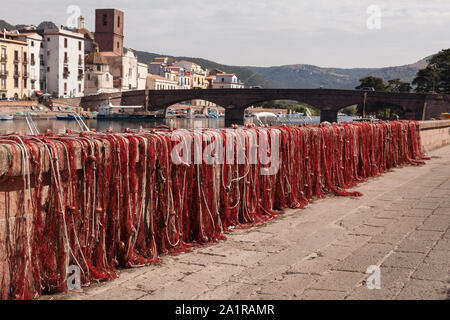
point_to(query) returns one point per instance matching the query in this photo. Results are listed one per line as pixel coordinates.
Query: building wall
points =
(98, 81)
(12, 81)
(34, 50)
(58, 82)
(142, 72)
(109, 30)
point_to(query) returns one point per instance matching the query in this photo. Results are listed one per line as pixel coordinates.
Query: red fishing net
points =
(100, 201)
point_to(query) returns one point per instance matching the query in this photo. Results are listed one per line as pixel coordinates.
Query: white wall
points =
(54, 59)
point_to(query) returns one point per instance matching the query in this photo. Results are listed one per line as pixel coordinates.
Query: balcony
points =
(16, 60)
(42, 63)
(66, 74)
(3, 74)
(4, 58)
(25, 75)
(66, 60)
(16, 75)
(25, 61)
(33, 62)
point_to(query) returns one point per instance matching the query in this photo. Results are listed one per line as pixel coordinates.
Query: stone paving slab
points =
(401, 225)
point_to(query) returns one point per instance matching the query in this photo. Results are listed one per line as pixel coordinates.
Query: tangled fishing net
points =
(101, 201)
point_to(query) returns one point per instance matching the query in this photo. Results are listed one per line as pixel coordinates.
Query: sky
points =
(326, 33)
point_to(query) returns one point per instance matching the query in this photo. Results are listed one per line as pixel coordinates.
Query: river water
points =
(60, 126)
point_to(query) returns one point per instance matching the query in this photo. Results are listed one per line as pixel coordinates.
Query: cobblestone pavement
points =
(401, 224)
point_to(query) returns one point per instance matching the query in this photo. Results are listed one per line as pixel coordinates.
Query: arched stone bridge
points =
(329, 101)
(235, 101)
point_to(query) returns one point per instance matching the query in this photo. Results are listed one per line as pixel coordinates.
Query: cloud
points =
(267, 32)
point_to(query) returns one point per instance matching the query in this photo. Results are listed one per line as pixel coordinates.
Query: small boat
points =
(6, 117)
(68, 117)
(445, 116)
(111, 112)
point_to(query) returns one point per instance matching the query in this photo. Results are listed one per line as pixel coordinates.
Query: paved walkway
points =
(400, 224)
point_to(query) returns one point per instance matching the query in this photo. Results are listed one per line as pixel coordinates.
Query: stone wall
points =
(435, 134)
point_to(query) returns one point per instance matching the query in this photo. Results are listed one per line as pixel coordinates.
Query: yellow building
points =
(13, 67)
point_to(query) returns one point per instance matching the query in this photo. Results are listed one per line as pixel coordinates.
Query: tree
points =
(436, 76)
(426, 79)
(372, 82)
(396, 85)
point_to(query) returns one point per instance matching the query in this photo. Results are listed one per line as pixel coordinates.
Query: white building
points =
(98, 79)
(63, 56)
(34, 42)
(142, 72)
(228, 81)
(128, 73)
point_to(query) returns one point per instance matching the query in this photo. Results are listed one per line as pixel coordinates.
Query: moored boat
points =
(6, 117)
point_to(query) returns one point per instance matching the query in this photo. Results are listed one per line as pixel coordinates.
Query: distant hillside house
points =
(227, 81)
(155, 82)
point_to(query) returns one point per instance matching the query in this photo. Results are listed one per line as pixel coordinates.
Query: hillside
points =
(293, 76)
(308, 76)
(249, 77)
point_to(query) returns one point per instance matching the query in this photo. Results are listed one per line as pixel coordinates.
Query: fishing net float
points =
(103, 201)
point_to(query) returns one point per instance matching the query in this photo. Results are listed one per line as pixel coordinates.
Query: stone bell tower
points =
(109, 30)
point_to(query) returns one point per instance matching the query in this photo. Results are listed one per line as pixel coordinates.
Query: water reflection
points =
(60, 126)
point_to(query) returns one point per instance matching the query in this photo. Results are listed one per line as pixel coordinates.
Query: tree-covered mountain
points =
(302, 75)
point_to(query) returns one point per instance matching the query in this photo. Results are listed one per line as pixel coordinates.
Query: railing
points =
(33, 62)
(3, 73)
(25, 75)
(66, 74)
(66, 60)
(4, 58)
(16, 74)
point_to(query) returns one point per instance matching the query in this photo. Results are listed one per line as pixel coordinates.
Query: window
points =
(79, 88)
(3, 83)
(48, 39)
(32, 43)
(79, 45)
(16, 55)
(25, 83)
(3, 52)
(105, 20)
(118, 21)
(48, 69)
(42, 44)
(99, 67)
(65, 87)
(16, 82)
(24, 56)
(65, 42)
(118, 45)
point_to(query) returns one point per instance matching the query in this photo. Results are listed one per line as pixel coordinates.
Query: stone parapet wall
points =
(434, 134)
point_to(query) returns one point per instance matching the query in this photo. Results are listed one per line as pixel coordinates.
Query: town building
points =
(62, 54)
(227, 81)
(34, 42)
(128, 73)
(98, 79)
(155, 82)
(14, 68)
(198, 75)
(109, 30)
(90, 46)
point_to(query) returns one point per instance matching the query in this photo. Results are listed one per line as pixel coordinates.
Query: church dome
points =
(96, 58)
